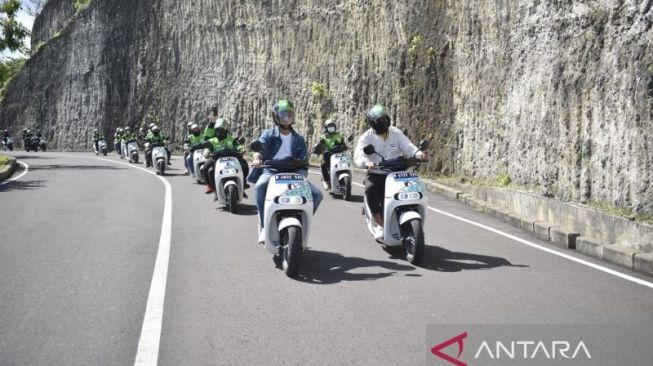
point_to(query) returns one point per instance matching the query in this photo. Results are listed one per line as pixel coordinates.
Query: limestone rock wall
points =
(554, 93)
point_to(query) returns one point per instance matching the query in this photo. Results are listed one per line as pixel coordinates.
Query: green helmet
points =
(283, 112)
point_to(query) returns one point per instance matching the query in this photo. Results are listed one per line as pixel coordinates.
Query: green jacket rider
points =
(330, 139)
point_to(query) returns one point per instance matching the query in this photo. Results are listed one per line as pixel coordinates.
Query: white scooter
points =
(288, 211)
(159, 158)
(198, 161)
(340, 171)
(102, 147)
(130, 150)
(404, 208)
(229, 179)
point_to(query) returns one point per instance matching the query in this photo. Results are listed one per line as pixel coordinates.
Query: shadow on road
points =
(243, 210)
(443, 260)
(23, 157)
(83, 167)
(22, 185)
(324, 268)
(356, 198)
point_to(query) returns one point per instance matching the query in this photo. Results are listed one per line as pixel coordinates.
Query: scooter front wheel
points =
(291, 249)
(232, 197)
(345, 188)
(413, 240)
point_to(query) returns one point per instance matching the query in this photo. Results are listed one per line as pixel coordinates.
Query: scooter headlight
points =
(408, 196)
(228, 171)
(291, 200)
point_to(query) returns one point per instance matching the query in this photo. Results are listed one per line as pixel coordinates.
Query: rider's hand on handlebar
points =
(257, 162)
(371, 165)
(421, 155)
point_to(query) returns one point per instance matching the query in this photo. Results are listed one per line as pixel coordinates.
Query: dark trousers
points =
(374, 191)
(326, 167)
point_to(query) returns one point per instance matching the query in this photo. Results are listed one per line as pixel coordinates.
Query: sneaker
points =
(378, 232)
(261, 237)
(209, 189)
(186, 172)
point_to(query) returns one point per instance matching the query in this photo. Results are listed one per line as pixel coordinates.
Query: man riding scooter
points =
(330, 140)
(389, 142)
(155, 138)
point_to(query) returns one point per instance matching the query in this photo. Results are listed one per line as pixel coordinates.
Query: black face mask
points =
(196, 133)
(381, 126)
(220, 134)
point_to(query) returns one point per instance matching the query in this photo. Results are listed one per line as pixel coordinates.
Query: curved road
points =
(79, 238)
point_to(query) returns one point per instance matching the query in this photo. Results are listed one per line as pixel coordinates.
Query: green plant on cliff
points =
(414, 43)
(621, 211)
(81, 5)
(9, 69)
(503, 180)
(318, 90)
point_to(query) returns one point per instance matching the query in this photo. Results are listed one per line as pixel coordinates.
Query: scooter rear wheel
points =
(291, 250)
(413, 240)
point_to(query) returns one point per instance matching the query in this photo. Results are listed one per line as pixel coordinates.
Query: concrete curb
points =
(8, 170)
(556, 234)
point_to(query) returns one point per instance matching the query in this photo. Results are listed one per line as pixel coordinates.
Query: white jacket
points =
(395, 146)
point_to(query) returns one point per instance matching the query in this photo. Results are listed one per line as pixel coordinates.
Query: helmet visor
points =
(286, 117)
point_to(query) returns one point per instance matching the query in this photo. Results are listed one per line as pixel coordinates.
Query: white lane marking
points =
(537, 246)
(150, 339)
(20, 175)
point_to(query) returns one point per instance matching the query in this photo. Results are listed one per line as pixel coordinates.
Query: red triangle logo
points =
(437, 350)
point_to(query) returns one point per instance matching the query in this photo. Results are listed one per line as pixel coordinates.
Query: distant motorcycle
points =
(42, 144)
(340, 170)
(130, 150)
(8, 144)
(102, 147)
(159, 157)
(198, 161)
(32, 143)
(229, 178)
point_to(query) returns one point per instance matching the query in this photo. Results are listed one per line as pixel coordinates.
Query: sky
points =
(27, 20)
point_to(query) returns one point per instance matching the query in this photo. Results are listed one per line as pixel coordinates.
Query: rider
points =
(279, 142)
(97, 136)
(127, 137)
(117, 136)
(330, 139)
(5, 136)
(389, 142)
(194, 138)
(155, 138)
(186, 149)
(223, 140)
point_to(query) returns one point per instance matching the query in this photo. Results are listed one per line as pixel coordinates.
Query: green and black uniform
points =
(155, 139)
(216, 145)
(330, 141)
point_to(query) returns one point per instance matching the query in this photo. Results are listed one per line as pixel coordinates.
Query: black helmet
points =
(378, 119)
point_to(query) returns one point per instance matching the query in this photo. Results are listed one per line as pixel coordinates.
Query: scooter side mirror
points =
(241, 141)
(423, 145)
(350, 138)
(256, 146)
(369, 149)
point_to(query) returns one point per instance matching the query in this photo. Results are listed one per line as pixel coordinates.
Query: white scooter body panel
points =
(340, 166)
(401, 189)
(132, 148)
(102, 145)
(198, 160)
(287, 192)
(159, 152)
(228, 172)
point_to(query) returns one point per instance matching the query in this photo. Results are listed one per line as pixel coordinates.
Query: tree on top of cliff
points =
(12, 32)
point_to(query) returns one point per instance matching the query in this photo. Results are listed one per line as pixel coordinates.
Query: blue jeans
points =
(189, 163)
(262, 187)
(117, 146)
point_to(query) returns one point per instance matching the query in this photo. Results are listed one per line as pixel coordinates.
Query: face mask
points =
(331, 129)
(220, 134)
(196, 133)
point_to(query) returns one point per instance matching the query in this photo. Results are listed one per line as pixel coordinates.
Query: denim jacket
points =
(271, 141)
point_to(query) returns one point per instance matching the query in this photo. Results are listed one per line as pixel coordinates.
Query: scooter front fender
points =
(408, 215)
(287, 222)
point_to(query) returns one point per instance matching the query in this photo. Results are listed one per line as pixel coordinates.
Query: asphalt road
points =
(79, 237)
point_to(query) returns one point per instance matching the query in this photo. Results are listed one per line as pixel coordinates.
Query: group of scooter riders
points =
(282, 141)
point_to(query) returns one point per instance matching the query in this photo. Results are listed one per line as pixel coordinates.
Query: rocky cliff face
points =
(552, 93)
